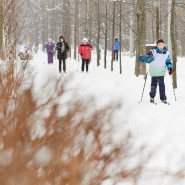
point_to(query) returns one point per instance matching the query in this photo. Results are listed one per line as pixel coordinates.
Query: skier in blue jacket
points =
(116, 49)
(159, 60)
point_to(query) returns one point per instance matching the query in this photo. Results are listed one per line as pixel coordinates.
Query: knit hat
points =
(85, 40)
(49, 40)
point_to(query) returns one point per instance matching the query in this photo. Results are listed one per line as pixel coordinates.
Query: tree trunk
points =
(120, 38)
(113, 33)
(169, 28)
(153, 32)
(76, 27)
(43, 30)
(90, 20)
(86, 18)
(131, 42)
(98, 34)
(106, 34)
(157, 20)
(173, 40)
(1, 24)
(140, 68)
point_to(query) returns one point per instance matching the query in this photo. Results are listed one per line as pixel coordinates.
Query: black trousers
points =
(160, 81)
(60, 65)
(116, 55)
(85, 62)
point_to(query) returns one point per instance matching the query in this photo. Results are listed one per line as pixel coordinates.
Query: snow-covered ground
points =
(159, 127)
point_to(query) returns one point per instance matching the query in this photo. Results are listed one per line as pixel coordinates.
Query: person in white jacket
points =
(159, 60)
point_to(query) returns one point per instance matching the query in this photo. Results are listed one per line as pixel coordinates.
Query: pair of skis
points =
(155, 103)
(167, 103)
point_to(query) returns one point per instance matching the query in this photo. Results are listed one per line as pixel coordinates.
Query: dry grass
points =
(70, 150)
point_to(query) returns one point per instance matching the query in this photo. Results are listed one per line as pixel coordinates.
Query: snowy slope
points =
(160, 127)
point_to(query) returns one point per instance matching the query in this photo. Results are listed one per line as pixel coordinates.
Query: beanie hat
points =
(85, 40)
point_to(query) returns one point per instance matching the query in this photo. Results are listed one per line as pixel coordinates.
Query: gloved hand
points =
(146, 58)
(170, 71)
(140, 59)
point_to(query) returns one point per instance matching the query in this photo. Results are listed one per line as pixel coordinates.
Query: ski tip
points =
(149, 102)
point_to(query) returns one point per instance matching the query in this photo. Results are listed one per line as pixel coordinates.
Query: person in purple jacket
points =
(50, 47)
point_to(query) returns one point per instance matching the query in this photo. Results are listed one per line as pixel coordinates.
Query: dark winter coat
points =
(85, 51)
(62, 51)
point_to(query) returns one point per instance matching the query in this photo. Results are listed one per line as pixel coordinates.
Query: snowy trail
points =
(160, 127)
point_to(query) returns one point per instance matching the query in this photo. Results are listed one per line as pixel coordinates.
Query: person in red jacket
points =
(85, 52)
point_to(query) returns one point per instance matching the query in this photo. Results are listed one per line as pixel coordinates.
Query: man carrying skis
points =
(159, 60)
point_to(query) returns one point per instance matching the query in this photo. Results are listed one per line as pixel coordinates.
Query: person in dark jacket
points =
(85, 52)
(50, 50)
(63, 48)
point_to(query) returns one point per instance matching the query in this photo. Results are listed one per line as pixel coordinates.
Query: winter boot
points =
(164, 101)
(151, 100)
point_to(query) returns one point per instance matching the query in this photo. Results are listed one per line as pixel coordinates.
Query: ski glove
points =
(170, 71)
(146, 58)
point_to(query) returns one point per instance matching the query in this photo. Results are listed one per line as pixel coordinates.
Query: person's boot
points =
(164, 101)
(151, 100)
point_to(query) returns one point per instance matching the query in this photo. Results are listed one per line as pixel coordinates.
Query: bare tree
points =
(106, 34)
(140, 68)
(98, 33)
(113, 32)
(131, 40)
(157, 4)
(174, 45)
(1, 24)
(169, 28)
(120, 36)
(76, 27)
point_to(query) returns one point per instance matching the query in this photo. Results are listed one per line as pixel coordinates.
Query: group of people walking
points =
(63, 49)
(84, 50)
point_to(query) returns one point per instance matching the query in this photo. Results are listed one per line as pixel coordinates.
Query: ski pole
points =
(144, 87)
(174, 90)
